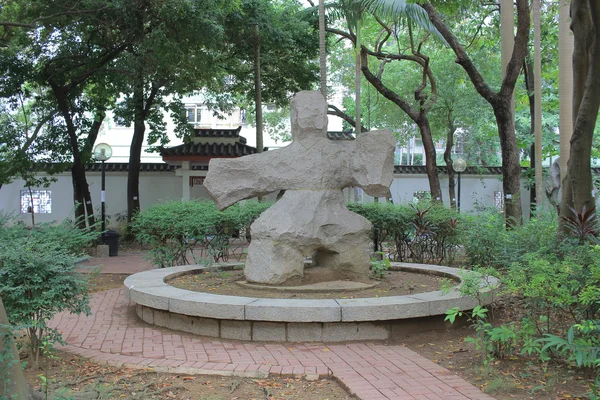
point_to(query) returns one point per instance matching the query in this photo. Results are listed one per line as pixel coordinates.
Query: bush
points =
(37, 277)
(172, 229)
(488, 243)
(428, 232)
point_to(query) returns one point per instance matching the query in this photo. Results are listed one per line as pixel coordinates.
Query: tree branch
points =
(384, 90)
(333, 110)
(513, 69)
(31, 25)
(344, 34)
(461, 56)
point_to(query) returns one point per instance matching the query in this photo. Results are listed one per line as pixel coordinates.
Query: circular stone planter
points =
(297, 320)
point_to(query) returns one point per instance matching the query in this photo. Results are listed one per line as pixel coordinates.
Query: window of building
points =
(422, 195)
(193, 114)
(42, 201)
(499, 200)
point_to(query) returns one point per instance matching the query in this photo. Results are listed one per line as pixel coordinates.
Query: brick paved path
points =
(113, 335)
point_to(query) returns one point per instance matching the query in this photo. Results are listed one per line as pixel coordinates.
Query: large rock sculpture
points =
(311, 218)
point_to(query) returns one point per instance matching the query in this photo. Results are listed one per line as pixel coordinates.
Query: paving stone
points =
(236, 330)
(440, 302)
(153, 297)
(195, 325)
(338, 331)
(162, 318)
(304, 331)
(373, 331)
(148, 315)
(294, 310)
(383, 308)
(209, 305)
(268, 331)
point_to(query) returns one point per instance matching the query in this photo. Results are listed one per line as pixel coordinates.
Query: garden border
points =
(261, 319)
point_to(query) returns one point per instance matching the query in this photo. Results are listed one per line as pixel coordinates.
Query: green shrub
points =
(173, 229)
(488, 243)
(37, 277)
(424, 233)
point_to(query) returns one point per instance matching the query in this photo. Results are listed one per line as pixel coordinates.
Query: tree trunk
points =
(537, 65)
(430, 159)
(322, 49)
(78, 201)
(577, 185)
(81, 190)
(10, 368)
(511, 168)
(258, 92)
(448, 159)
(357, 81)
(135, 151)
(528, 74)
(565, 84)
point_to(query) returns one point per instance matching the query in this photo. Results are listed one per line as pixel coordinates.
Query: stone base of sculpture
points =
(308, 223)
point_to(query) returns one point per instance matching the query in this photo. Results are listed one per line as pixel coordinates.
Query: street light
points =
(459, 165)
(103, 152)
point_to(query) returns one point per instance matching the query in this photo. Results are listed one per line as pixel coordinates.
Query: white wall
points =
(155, 186)
(477, 191)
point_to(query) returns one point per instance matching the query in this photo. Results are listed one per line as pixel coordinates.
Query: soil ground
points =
(71, 377)
(396, 283)
(515, 377)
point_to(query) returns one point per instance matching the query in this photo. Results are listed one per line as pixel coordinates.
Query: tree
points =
(383, 48)
(166, 58)
(289, 42)
(500, 100)
(577, 184)
(63, 55)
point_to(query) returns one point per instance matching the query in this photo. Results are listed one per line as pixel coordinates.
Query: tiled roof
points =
(209, 149)
(220, 133)
(124, 167)
(340, 135)
(477, 170)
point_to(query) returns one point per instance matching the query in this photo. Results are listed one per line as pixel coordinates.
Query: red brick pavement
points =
(113, 335)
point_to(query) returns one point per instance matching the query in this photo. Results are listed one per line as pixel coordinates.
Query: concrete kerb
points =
(151, 290)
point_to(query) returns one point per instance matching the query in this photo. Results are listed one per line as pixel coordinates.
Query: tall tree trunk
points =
(357, 81)
(81, 190)
(135, 150)
(430, 159)
(450, 130)
(258, 91)
(528, 75)
(511, 168)
(577, 184)
(322, 49)
(565, 84)
(537, 64)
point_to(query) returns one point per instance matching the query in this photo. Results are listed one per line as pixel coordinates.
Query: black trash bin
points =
(111, 238)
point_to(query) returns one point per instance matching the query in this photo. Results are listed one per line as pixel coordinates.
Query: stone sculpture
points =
(311, 218)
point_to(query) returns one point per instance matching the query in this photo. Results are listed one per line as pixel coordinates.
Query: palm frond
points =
(401, 9)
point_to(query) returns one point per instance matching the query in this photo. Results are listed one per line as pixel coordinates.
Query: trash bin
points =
(111, 238)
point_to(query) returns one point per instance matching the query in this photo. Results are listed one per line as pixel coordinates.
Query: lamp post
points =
(103, 152)
(459, 165)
